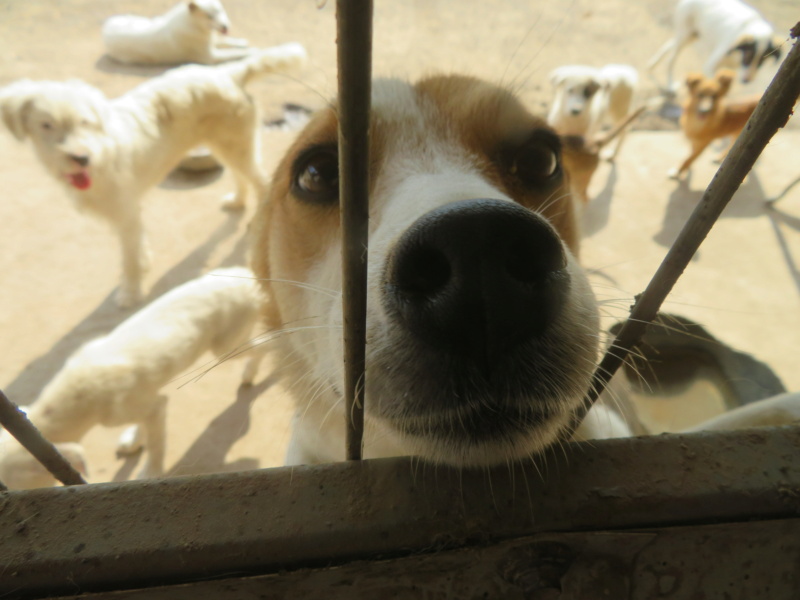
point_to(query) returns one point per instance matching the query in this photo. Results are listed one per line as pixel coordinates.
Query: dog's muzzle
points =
(477, 278)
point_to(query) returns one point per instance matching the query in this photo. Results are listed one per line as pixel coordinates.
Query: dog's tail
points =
(277, 59)
(601, 140)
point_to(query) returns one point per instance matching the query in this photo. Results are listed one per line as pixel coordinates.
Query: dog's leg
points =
(777, 410)
(222, 54)
(224, 41)
(697, 150)
(135, 261)
(255, 355)
(243, 160)
(155, 439)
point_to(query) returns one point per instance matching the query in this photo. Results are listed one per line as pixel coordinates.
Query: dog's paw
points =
(130, 442)
(294, 53)
(232, 201)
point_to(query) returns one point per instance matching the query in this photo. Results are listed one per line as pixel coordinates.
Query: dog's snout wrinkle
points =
(476, 278)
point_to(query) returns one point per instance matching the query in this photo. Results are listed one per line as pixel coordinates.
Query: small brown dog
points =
(708, 115)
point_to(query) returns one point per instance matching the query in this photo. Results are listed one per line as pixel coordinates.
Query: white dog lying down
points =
(721, 28)
(115, 380)
(108, 153)
(587, 98)
(193, 31)
(482, 329)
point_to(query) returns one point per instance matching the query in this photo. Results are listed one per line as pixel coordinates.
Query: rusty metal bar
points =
(354, 32)
(17, 424)
(122, 535)
(771, 114)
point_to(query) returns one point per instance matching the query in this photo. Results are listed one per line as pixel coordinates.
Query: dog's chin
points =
(447, 447)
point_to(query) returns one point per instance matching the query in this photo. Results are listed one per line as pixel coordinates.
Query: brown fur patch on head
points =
(493, 125)
(289, 234)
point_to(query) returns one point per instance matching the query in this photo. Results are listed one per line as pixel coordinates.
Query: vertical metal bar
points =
(18, 425)
(354, 33)
(771, 114)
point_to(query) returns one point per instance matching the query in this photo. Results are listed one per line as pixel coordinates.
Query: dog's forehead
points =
(444, 108)
(66, 102)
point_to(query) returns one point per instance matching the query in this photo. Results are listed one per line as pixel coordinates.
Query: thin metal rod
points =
(771, 114)
(17, 424)
(354, 32)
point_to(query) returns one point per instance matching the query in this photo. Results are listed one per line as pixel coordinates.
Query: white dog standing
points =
(108, 153)
(115, 380)
(721, 28)
(587, 98)
(192, 31)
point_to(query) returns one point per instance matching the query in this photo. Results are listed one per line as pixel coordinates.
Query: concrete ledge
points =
(116, 536)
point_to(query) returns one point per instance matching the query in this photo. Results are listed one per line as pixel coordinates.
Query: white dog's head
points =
(19, 470)
(209, 15)
(64, 121)
(575, 89)
(482, 329)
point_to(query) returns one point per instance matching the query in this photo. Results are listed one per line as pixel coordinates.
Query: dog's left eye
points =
(46, 125)
(316, 175)
(536, 162)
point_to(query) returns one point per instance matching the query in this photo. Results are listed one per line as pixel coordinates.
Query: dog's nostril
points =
(81, 159)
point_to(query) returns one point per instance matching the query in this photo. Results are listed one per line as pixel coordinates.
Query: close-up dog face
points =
(64, 121)
(482, 329)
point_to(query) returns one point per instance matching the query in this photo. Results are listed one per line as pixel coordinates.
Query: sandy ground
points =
(58, 269)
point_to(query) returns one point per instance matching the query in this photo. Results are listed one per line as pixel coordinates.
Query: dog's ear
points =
(16, 101)
(725, 78)
(591, 88)
(557, 77)
(693, 80)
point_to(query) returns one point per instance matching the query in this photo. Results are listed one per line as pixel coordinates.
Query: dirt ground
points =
(58, 269)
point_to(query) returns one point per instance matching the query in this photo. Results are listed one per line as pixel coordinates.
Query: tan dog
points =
(708, 115)
(108, 153)
(115, 380)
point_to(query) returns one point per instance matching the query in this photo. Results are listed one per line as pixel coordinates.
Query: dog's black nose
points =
(477, 278)
(81, 159)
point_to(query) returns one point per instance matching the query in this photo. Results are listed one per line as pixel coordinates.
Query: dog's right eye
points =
(46, 125)
(316, 175)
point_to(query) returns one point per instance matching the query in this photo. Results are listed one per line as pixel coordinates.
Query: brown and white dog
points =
(709, 115)
(721, 29)
(482, 329)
